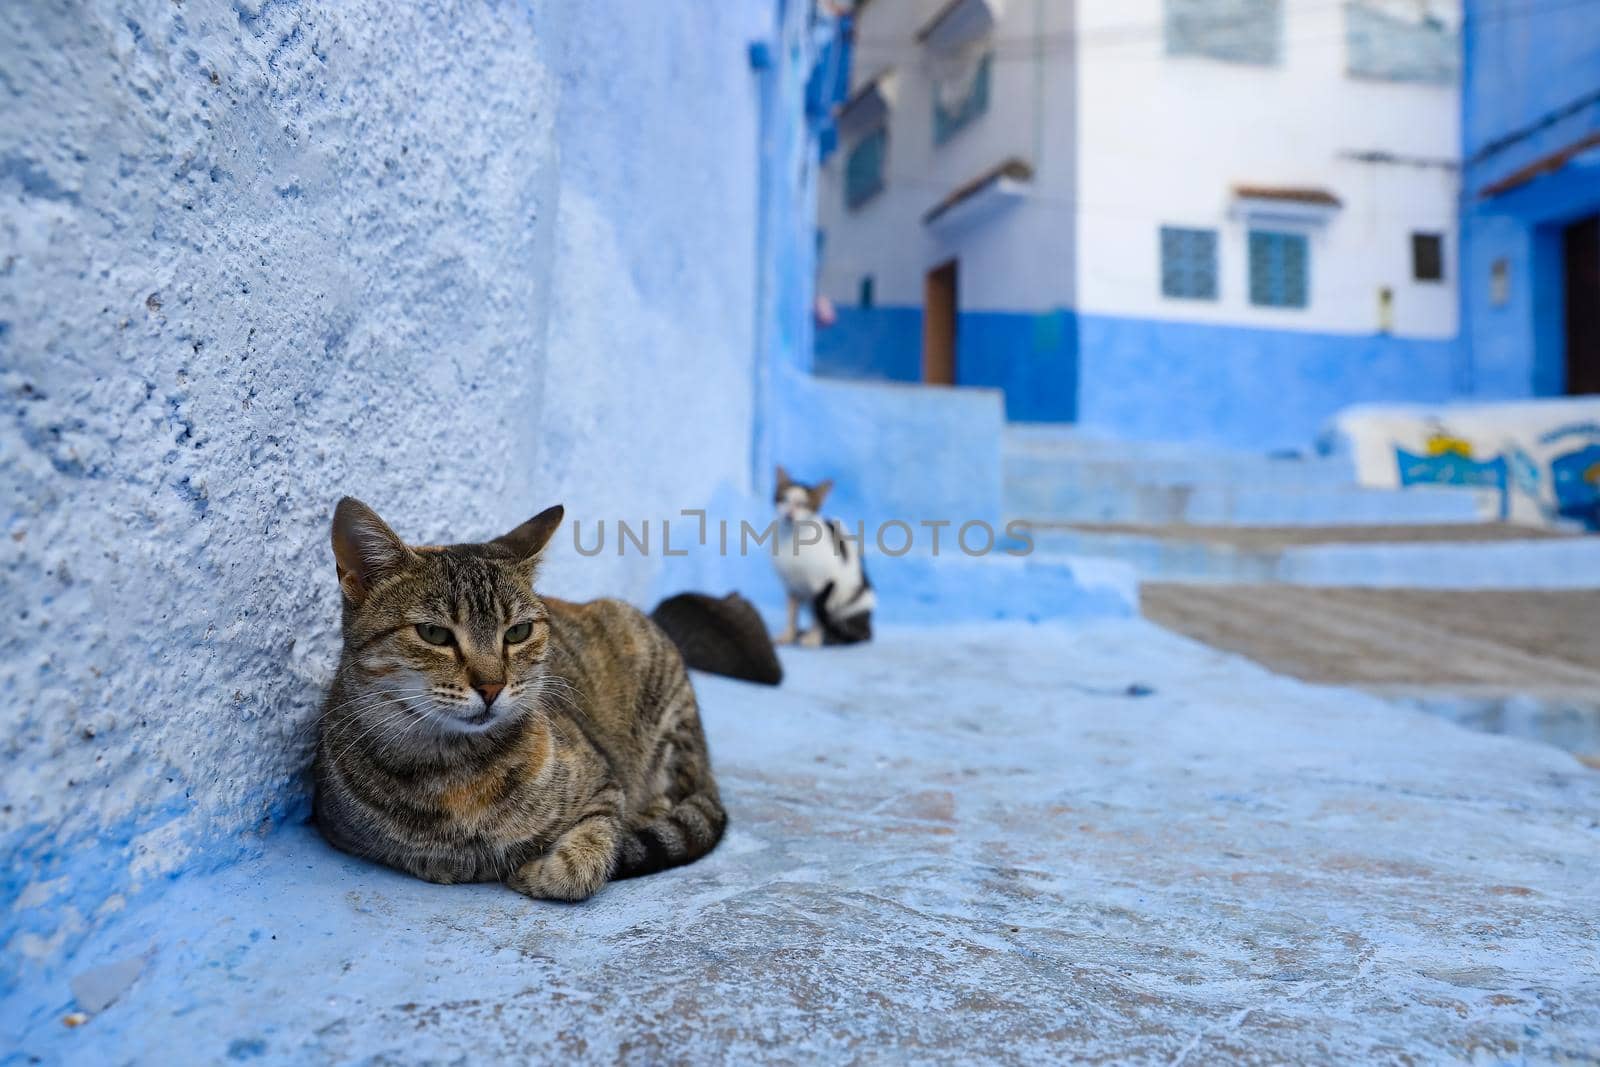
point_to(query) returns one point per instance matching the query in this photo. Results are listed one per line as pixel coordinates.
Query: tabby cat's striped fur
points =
(478, 732)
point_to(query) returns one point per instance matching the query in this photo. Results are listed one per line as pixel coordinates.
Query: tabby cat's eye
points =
(519, 633)
(435, 635)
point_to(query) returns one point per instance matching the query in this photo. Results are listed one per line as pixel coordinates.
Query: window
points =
(866, 291)
(960, 98)
(863, 168)
(1188, 263)
(1279, 269)
(1234, 31)
(1400, 43)
(1427, 257)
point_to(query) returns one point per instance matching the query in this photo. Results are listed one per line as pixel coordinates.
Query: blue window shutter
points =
(1188, 263)
(863, 168)
(948, 121)
(1235, 31)
(1280, 269)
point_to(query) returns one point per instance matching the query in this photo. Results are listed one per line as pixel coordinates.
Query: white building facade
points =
(1203, 219)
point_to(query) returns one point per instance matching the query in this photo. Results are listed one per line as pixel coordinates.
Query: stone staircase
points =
(1183, 513)
(1057, 476)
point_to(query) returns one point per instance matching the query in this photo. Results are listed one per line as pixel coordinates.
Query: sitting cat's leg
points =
(789, 631)
(812, 638)
(582, 858)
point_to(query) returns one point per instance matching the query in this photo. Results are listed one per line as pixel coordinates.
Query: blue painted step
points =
(1544, 563)
(1059, 475)
(1104, 473)
(1051, 500)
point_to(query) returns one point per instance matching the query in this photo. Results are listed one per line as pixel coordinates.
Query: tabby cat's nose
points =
(488, 693)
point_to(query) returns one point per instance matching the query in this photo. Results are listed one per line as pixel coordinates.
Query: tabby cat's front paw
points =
(785, 638)
(574, 869)
(547, 878)
(811, 638)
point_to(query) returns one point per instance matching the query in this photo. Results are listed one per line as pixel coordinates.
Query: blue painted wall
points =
(1523, 62)
(460, 263)
(1531, 87)
(1032, 357)
(897, 451)
(1242, 386)
(797, 68)
(880, 343)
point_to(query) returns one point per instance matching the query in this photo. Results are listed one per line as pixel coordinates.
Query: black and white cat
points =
(820, 567)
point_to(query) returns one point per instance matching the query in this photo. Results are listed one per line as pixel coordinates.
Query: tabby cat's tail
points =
(721, 635)
(690, 829)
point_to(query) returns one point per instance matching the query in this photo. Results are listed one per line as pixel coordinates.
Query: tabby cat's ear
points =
(529, 539)
(784, 481)
(819, 493)
(365, 550)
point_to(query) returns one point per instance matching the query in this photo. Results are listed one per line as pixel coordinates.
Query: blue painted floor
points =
(955, 844)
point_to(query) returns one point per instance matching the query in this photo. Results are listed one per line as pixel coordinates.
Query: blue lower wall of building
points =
(1245, 387)
(1032, 356)
(876, 344)
(1517, 348)
(1230, 385)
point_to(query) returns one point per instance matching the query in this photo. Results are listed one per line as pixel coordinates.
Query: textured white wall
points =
(254, 256)
(1129, 139)
(1164, 140)
(1021, 259)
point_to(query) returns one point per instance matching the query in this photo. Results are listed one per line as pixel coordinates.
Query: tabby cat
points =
(476, 731)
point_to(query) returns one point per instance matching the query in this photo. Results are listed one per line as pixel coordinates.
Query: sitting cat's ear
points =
(784, 481)
(365, 550)
(819, 493)
(529, 539)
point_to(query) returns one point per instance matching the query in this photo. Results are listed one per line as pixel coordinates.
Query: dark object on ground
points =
(723, 636)
(1132, 689)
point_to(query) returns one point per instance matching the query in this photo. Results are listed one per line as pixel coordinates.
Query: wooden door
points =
(1581, 253)
(939, 326)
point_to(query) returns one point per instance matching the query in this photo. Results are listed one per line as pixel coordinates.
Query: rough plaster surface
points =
(257, 255)
(896, 451)
(649, 394)
(952, 845)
